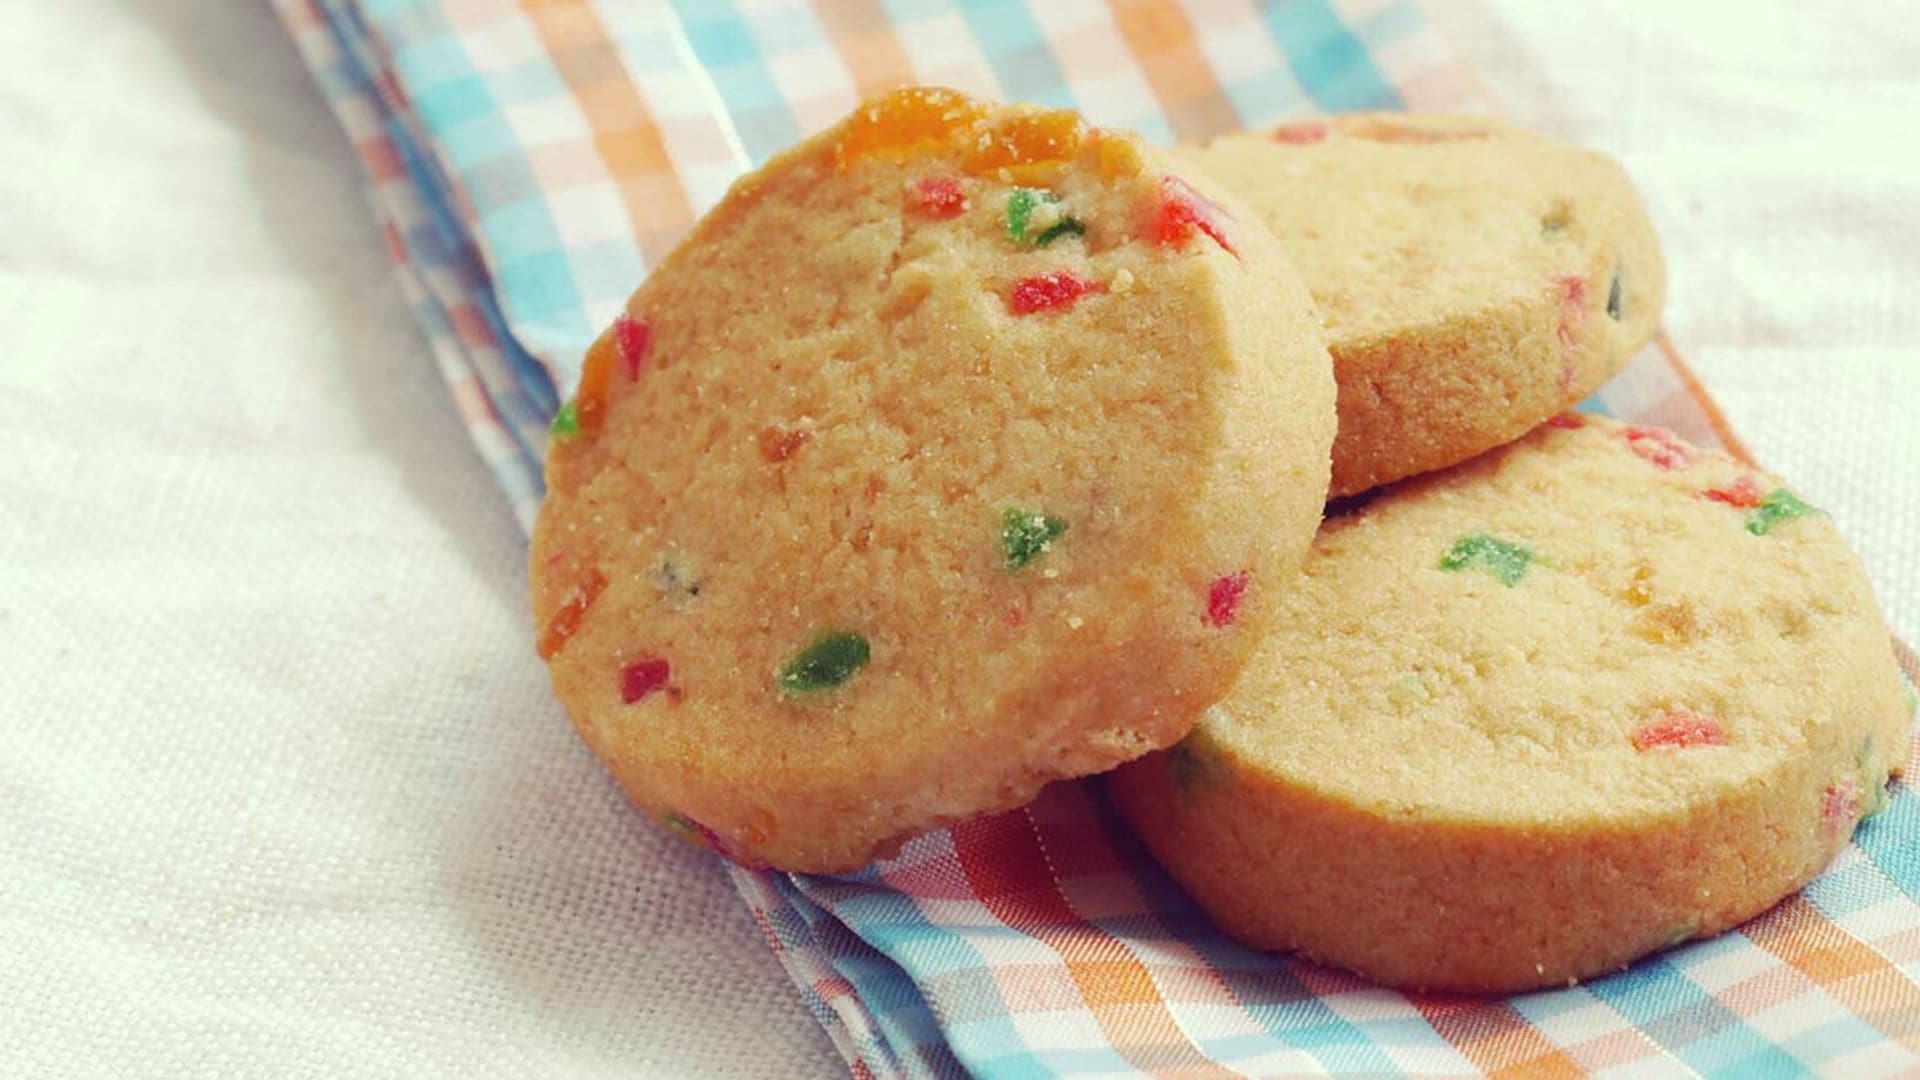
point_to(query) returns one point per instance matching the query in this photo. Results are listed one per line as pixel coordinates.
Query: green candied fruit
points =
(1020, 210)
(1025, 535)
(1505, 560)
(1781, 505)
(566, 422)
(681, 824)
(1613, 297)
(826, 662)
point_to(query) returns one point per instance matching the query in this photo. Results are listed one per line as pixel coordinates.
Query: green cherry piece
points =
(1613, 297)
(1505, 560)
(826, 662)
(1020, 206)
(681, 824)
(566, 422)
(1025, 535)
(1781, 505)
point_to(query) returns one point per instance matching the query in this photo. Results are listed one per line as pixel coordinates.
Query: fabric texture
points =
(529, 161)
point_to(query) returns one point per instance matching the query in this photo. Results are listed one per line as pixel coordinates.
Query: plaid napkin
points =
(530, 159)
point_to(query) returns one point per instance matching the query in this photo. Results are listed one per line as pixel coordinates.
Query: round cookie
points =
(1528, 719)
(1474, 279)
(959, 449)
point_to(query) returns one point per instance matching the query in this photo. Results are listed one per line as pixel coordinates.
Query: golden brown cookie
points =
(1531, 718)
(959, 449)
(1474, 278)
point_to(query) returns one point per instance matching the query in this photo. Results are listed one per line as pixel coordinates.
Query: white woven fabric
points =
(282, 792)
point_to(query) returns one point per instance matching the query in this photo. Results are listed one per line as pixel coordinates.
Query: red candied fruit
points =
(1567, 420)
(1184, 211)
(1679, 728)
(1224, 596)
(1573, 307)
(1658, 446)
(939, 196)
(632, 338)
(1060, 289)
(1840, 804)
(567, 618)
(643, 677)
(1301, 134)
(1744, 493)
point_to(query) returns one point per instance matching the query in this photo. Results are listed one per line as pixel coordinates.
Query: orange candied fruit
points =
(897, 122)
(560, 628)
(1028, 145)
(596, 381)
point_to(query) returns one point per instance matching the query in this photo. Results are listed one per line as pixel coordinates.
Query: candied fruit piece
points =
(566, 620)
(596, 379)
(1024, 140)
(1382, 130)
(1031, 209)
(643, 677)
(1744, 493)
(632, 338)
(1840, 805)
(1613, 297)
(1184, 211)
(1504, 559)
(826, 662)
(1061, 289)
(1567, 420)
(1779, 505)
(566, 422)
(897, 123)
(1025, 535)
(1658, 446)
(1303, 133)
(1224, 596)
(1680, 728)
(939, 196)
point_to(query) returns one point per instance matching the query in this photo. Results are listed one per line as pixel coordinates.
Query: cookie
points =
(1531, 718)
(1474, 279)
(958, 449)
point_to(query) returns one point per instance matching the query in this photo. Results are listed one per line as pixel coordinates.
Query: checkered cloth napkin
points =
(530, 159)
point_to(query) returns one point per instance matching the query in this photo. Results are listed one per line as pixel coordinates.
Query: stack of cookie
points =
(963, 448)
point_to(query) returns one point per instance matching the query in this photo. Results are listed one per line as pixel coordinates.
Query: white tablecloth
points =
(282, 792)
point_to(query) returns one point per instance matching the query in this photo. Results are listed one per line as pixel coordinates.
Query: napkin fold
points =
(528, 160)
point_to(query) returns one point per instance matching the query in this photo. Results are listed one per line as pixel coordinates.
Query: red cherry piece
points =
(1567, 420)
(1057, 290)
(1302, 133)
(1224, 596)
(1659, 446)
(1744, 493)
(939, 196)
(1184, 211)
(1679, 728)
(632, 338)
(1573, 307)
(1840, 805)
(643, 677)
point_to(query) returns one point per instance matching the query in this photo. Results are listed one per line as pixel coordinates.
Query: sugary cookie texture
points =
(1474, 279)
(959, 449)
(1531, 718)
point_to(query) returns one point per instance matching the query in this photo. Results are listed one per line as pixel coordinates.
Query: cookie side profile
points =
(1474, 278)
(1527, 720)
(959, 449)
